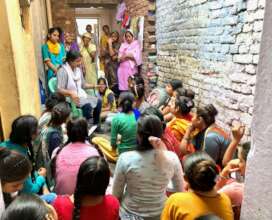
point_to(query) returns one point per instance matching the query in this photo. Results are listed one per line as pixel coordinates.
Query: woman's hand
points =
(238, 132)
(110, 41)
(74, 98)
(232, 166)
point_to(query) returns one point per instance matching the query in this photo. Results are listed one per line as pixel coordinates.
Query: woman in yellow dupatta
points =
(88, 52)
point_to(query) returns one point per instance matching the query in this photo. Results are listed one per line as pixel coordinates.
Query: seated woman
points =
(141, 176)
(233, 186)
(29, 207)
(124, 125)
(89, 200)
(200, 173)
(160, 97)
(137, 87)
(72, 84)
(52, 100)
(211, 138)
(181, 108)
(107, 97)
(23, 131)
(177, 93)
(168, 138)
(70, 156)
(14, 169)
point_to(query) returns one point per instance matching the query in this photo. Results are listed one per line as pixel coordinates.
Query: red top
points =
(107, 210)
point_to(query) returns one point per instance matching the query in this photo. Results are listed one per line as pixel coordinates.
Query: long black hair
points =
(26, 206)
(184, 104)
(92, 179)
(208, 113)
(126, 100)
(23, 129)
(59, 114)
(148, 125)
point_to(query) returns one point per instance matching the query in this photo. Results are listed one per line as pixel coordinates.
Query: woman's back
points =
(67, 165)
(145, 181)
(125, 125)
(107, 210)
(189, 205)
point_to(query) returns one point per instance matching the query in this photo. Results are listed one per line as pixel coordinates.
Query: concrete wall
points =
(19, 93)
(213, 46)
(258, 191)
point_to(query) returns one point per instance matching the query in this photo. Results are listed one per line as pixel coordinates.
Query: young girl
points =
(14, 169)
(181, 109)
(52, 100)
(71, 155)
(23, 132)
(29, 207)
(51, 136)
(141, 176)
(89, 200)
(53, 52)
(108, 99)
(201, 174)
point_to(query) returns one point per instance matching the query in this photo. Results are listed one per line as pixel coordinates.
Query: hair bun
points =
(211, 110)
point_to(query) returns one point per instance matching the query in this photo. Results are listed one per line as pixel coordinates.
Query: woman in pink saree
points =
(130, 57)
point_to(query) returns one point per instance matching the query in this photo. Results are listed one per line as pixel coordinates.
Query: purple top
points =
(68, 163)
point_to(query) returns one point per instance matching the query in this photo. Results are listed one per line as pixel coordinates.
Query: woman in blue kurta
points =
(53, 53)
(24, 130)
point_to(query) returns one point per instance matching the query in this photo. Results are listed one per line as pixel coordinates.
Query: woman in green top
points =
(23, 132)
(125, 125)
(123, 130)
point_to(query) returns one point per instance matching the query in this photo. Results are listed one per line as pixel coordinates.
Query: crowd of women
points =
(172, 159)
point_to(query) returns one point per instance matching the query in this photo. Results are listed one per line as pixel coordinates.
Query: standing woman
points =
(111, 61)
(88, 52)
(53, 52)
(130, 58)
(69, 42)
(104, 46)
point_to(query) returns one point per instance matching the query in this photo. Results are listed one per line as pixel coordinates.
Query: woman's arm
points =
(119, 179)
(51, 66)
(178, 175)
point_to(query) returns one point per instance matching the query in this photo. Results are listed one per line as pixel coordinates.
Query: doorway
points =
(82, 22)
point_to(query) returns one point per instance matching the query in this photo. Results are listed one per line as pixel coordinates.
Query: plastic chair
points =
(52, 85)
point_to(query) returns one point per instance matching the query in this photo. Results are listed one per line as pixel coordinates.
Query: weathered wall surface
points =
(213, 46)
(258, 191)
(19, 93)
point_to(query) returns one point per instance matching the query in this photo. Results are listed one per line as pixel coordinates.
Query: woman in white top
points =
(141, 176)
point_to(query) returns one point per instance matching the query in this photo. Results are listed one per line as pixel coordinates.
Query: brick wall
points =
(213, 46)
(63, 15)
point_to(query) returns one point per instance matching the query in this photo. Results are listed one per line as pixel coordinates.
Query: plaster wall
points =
(19, 93)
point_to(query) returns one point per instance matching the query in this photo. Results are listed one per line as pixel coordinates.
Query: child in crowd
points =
(89, 200)
(29, 207)
(108, 98)
(181, 108)
(14, 169)
(71, 155)
(23, 132)
(201, 174)
(141, 176)
(211, 138)
(124, 125)
(160, 97)
(53, 52)
(52, 100)
(51, 136)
